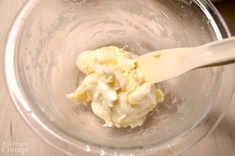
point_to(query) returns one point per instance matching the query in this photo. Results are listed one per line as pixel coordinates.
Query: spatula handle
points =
(218, 52)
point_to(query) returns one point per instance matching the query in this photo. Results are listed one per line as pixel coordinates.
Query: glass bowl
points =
(39, 65)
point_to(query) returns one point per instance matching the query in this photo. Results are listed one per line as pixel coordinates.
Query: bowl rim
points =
(50, 135)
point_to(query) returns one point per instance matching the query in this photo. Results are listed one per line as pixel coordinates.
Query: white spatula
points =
(162, 65)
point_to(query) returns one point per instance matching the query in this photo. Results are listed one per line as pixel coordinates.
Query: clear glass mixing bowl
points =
(40, 69)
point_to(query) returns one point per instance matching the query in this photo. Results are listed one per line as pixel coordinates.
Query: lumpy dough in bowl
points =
(115, 87)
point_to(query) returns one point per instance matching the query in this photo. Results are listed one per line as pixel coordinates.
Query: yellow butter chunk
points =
(115, 87)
